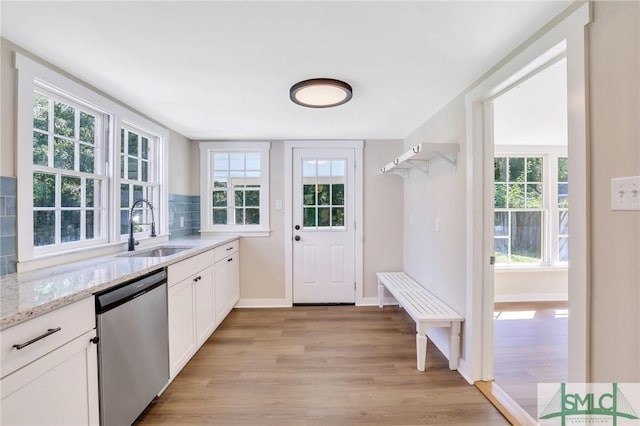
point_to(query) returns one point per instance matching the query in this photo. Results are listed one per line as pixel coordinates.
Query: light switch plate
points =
(625, 193)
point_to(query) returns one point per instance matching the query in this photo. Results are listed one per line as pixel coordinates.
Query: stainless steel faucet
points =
(132, 242)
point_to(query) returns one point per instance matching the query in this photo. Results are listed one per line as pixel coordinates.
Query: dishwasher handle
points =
(112, 298)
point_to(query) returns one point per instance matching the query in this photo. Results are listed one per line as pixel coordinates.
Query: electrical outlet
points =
(625, 193)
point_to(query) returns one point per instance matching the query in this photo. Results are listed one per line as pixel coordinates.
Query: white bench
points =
(425, 309)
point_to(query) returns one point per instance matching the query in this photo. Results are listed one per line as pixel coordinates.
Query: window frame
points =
(550, 209)
(32, 76)
(207, 151)
(99, 175)
(154, 174)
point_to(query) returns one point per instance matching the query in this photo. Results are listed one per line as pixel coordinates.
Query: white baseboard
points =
(373, 301)
(531, 297)
(263, 303)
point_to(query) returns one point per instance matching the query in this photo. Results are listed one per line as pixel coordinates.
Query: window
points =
(563, 210)
(80, 173)
(525, 218)
(235, 187)
(138, 177)
(323, 193)
(68, 173)
(519, 213)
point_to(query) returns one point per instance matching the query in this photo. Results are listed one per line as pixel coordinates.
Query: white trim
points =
(206, 148)
(479, 304)
(532, 297)
(263, 303)
(289, 146)
(32, 74)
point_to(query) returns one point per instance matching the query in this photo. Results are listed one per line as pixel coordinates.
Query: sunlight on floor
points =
(562, 313)
(514, 315)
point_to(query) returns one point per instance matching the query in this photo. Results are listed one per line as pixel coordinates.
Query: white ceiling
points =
(534, 113)
(220, 70)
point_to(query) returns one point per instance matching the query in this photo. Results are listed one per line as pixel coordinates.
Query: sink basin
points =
(158, 251)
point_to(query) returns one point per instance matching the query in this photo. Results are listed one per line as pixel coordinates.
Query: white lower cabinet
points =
(227, 279)
(182, 325)
(199, 297)
(205, 302)
(59, 387)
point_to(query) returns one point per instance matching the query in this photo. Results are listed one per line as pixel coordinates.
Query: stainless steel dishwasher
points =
(133, 347)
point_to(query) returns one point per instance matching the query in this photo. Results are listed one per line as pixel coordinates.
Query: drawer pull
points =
(229, 248)
(35, 339)
(230, 259)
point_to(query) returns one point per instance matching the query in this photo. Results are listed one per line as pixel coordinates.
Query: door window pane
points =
(337, 216)
(309, 217)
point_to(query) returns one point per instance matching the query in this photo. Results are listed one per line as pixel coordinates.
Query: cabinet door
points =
(205, 304)
(182, 327)
(233, 278)
(227, 274)
(221, 290)
(60, 388)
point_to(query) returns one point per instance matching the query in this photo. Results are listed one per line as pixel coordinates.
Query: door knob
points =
(297, 238)
(297, 227)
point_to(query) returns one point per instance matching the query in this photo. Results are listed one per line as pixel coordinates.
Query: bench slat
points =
(419, 302)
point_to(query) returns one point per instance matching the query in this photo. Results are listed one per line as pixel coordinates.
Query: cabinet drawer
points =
(73, 321)
(185, 268)
(226, 249)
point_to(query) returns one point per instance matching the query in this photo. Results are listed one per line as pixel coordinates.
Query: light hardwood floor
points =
(339, 365)
(530, 351)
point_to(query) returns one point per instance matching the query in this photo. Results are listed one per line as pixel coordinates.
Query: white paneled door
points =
(323, 225)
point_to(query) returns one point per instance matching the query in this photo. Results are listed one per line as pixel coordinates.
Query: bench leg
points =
(380, 295)
(421, 351)
(454, 346)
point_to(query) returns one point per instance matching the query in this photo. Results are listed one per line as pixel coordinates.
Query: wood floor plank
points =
(312, 366)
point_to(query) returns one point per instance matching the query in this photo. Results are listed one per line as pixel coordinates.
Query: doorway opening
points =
(531, 232)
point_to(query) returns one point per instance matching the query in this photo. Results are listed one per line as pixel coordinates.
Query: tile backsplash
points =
(186, 207)
(8, 227)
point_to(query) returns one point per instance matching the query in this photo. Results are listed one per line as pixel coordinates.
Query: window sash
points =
(552, 238)
(229, 199)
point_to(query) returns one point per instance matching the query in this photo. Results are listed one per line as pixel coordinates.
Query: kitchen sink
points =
(161, 251)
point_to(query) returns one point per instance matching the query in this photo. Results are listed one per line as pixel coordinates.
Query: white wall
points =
(614, 84)
(383, 215)
(437, 258)
(512, 285)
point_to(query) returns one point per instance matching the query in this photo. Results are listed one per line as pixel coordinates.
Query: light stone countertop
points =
(26, 295)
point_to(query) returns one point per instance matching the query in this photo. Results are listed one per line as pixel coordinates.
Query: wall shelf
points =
(420, 156)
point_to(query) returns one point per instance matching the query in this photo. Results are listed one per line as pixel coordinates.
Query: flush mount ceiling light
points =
(320, 93)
